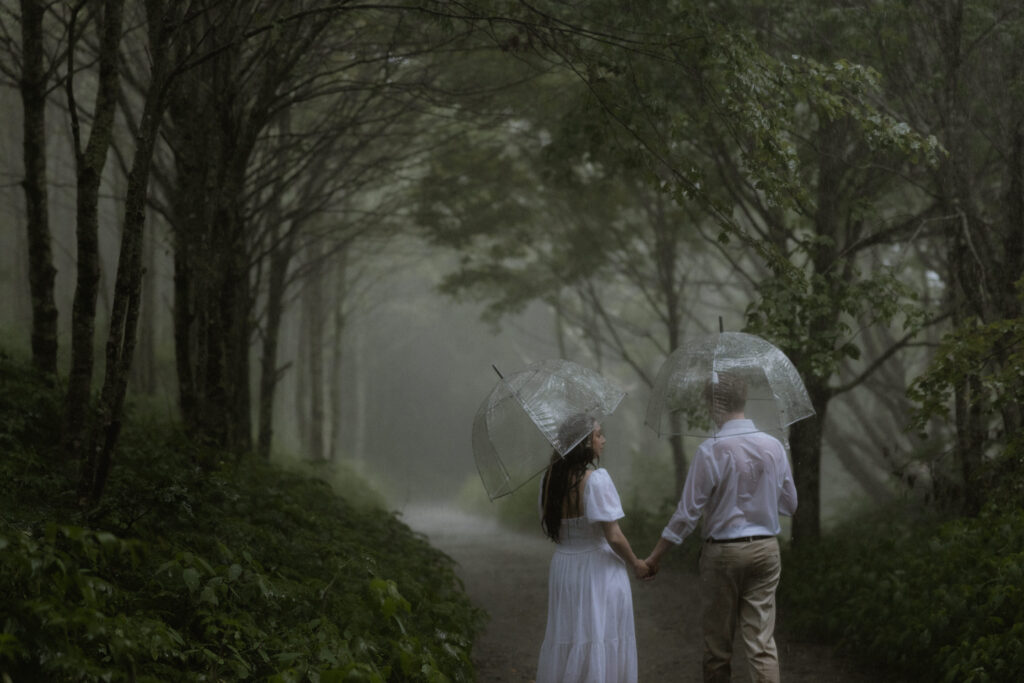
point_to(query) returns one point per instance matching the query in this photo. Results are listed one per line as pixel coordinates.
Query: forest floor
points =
(505, 573)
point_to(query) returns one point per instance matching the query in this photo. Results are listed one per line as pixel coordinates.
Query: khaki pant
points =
(738, 582)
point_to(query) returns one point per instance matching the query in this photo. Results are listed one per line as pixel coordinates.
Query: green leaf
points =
(191, 578)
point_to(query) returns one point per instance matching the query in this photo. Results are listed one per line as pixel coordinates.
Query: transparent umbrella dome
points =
(718, 373)
(548, 407)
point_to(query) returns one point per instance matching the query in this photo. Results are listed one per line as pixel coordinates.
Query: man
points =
(740, 482)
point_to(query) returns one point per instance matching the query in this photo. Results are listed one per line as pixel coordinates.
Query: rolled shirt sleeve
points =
(700, 482)
(787, 490)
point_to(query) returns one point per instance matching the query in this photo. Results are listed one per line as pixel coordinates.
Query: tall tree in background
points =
(90, 159)
(823, 237)
(615, 259)
(164, 22)
(719, 122)
(955, 69)
(218, 112)
(34, 83)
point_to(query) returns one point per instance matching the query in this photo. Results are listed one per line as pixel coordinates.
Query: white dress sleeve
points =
(600, 499)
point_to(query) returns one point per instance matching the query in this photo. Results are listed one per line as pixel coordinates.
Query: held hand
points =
(653, 564)
(641, 570)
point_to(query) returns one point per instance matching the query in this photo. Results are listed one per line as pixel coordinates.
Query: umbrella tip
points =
(500, 376)
(721, 328)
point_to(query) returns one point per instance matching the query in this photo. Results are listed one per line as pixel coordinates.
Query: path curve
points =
(505, 573)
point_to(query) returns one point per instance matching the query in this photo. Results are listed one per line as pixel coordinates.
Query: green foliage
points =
(994, 353)
(989, 359)
(234, 570)
(793, 301)
(931, 600)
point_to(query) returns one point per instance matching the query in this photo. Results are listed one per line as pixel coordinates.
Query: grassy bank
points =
(922, 598)
(199, 566)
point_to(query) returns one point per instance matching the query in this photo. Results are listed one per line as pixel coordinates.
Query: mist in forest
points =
(416, 363)
(397, 367)
(419, 364)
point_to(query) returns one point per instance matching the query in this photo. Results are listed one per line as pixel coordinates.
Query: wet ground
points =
(505, 573)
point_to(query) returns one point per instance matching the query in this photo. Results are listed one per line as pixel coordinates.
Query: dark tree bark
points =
(218, 113)
(89, 164)
(144, 367)
(805, 439)
(41, 272)
(313, 310)
(269, 371)
(124, 314)
(336, 404)
(211, 267)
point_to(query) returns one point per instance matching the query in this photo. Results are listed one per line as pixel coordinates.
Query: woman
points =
(590, 636)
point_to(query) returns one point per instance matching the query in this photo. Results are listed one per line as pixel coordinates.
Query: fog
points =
(415, 363)
(425, 360)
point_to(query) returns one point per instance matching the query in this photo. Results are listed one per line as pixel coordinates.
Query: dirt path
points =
(506, 574)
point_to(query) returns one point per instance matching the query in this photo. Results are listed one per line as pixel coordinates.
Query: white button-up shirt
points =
(740, 481)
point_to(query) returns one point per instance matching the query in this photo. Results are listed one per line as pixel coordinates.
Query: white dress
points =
(590, 636)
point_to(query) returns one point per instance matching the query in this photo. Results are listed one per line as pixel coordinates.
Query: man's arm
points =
(787, 492)
(700, 482)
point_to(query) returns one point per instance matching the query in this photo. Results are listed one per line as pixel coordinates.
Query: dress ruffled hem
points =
(612, 661)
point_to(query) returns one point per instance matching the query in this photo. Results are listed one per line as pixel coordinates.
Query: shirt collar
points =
(738, 426)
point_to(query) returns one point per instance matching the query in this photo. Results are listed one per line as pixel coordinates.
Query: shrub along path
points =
(505, 573)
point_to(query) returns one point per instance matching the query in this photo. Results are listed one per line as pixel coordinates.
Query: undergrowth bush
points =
(199, 566)
(932, 600)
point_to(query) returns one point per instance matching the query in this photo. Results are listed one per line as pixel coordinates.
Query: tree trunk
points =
(184, 335)
(89, 164)
(334, 379)
(679, 463)
(144, 367)
(969, 440)
(359, 394)
(235, 306)
(269, 373)
(1013, 239)
(121, 339)
(301, 399)
(213, 291)
(805, 446)
(41, 272)
(806, 435)
(213, 297)
(313, 309)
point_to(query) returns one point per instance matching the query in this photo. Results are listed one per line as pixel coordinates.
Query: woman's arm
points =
(654, 559)
(617, 540)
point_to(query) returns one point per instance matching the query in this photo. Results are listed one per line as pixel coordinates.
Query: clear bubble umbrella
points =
(532, 413)
(694, 379)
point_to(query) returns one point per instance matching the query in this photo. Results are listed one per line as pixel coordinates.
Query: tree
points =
(714, 119)
(355, 86)
(90, 160)
(163, 22)
(34, 83)
(619, 264)
(954, 70)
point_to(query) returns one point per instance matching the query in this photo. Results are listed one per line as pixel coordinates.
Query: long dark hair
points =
(561, 485)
